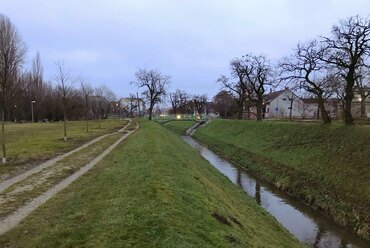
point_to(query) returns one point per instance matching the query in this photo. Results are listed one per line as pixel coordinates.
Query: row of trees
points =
(156, 91)
(329, 66)
(186, 103)
(25, 95)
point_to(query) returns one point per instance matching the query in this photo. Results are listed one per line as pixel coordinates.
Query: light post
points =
(15, 112)
(32, 103)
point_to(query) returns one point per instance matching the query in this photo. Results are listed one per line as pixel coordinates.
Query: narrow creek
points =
(306, 224)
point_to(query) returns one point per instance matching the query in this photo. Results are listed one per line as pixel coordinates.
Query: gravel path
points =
(14, 219)
(9, 182)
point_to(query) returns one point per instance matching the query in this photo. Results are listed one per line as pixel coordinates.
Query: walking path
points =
(7, 183)
(193, 128)
(15, 217)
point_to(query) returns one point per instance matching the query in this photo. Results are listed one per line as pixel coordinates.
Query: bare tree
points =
(134, 105)
(178, 99)
(36, 83)
(101, 101)
(237, 89)
(87, 92)
(257, 73)
(64, 83)
(346, 49)
(12, 51)
(306, 71)
(156, 86)
(200, 103)
(224, 103)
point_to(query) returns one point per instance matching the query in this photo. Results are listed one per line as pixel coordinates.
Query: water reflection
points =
(303, 222)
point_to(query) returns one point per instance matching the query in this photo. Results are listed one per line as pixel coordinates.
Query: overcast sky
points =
(191, 40)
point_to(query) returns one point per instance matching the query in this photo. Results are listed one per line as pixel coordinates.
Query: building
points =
(282, 103)
(132, 106)
(311, 110)
(358, 101)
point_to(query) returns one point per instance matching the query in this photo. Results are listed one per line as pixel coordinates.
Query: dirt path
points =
(13, 219)
(9, 182)
(193, 128)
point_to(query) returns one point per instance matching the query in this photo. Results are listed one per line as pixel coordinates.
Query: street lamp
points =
(15, 113)
(32, 103)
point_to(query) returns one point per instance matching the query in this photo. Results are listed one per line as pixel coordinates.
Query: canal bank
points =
(307, 225)
(325, 166)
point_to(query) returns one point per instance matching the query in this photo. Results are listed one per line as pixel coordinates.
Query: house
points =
(209, 109)
(358, 101)
(130, 108)
(282, 104)
(311, 110)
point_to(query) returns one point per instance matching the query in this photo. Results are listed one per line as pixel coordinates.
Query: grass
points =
(29, 143)
(328, 166)
(179, 126)
(20, 193)
(154, 190)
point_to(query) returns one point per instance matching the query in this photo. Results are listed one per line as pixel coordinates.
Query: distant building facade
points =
(132, 106)
(280, 104)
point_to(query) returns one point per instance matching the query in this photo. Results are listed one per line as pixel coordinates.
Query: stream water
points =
(306, 224)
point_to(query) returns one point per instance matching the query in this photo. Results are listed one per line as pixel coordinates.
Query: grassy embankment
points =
(178, 126)
(152, 191)
(326, 166)
(31, 142)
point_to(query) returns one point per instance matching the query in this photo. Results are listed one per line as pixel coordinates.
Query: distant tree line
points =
(336, 65)
(64, 94)
(185, 103)
(25, 95)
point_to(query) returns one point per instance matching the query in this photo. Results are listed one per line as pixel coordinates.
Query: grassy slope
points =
(327, 166)
(27, 142)
(179, 126)
(153, 191)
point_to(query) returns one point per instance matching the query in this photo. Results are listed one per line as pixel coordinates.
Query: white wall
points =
(279, 107)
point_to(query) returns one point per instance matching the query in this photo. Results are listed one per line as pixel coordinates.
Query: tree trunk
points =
(318, 112)
(348, 119)
(150, 112)
(65, 124)
(240, 110)
(3, 135)
(87, 121)
(259, 109)
(324, 114)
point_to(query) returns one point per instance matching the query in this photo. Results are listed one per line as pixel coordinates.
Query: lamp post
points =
(15, 112)
(32, 103)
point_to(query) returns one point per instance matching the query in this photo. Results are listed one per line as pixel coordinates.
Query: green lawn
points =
(30, 142)
(24, 191)
(328, 166)
(154, 190)
(179, 126)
